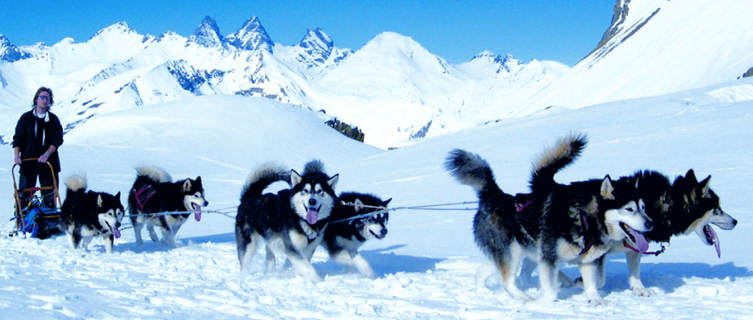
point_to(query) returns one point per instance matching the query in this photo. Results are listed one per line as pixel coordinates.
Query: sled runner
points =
(33, 217)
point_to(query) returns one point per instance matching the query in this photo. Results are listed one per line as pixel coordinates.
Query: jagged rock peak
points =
(9, 52)
(496, 58)
(207, 34)
(317, 42)
(621, 9)
(251, 36)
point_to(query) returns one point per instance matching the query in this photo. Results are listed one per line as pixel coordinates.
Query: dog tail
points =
(470, 169)
(554, 159)
(76, 183)
(262, 177)
(152, 173)
(312, 166)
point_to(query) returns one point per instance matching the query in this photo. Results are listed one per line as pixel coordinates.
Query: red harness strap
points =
(150, 192)
(521, 206)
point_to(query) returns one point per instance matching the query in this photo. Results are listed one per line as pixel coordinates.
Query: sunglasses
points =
(44, 97)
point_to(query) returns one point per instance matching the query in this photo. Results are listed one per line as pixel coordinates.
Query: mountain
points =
(207, 34)
(251, 36)
(656, 47)
(9, 52)
(392, 88)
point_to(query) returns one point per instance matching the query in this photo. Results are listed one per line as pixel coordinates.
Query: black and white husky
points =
(357, 217)
(682, 207)
(156, 201)
(554, 224)
(87, 214)
(292, 221)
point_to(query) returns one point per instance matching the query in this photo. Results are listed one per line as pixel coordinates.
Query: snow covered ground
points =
(427, 264)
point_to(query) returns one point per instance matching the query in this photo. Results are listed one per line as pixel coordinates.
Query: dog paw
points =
(597, 302)
(642, 292)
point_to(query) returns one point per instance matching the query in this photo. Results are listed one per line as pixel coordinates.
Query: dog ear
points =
(295, 178)
(117, 196)
(690, 175)
(386, 202)
(333, 180)
(186, 185)
(198, 180)
(357, 205)
(704, 186)
(99, 201)
(607, 189)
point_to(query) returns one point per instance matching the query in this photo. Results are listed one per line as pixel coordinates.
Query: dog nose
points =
(649, 225)
(312, 202)
(206, 203)
(383, 233)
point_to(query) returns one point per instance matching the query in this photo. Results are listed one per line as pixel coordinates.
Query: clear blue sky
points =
(562, 30)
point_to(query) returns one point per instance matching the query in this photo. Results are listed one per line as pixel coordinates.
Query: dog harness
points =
(584, 223)
(142, 198)
(521, 206)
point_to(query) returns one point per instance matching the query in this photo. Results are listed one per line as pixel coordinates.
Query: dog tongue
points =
(715, 240)
(640, 241)
(196, 212)
(312, 216)
(116, 232)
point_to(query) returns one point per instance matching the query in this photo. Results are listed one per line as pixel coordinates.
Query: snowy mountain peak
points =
(119, 27)
(318, 44)
(506, 63)
(395, 44)
(9, 52)
(207, 34)
(251, 36)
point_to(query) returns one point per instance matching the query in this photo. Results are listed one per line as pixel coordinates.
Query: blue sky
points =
(561, 30)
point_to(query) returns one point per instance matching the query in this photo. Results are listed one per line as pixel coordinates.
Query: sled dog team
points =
(579, 222)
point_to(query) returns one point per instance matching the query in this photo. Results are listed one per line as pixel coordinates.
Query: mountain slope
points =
(656, 47)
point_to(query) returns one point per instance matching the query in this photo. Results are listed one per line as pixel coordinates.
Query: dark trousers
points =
(28, 179)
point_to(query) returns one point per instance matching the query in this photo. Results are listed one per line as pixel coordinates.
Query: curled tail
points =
(470, 169)
(554, 159)
(154, 174)
(75, 183)
(262, 177)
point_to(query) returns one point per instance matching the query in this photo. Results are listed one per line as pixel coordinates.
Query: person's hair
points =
(36, 95)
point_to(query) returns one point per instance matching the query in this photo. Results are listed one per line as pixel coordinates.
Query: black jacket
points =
(24, 137)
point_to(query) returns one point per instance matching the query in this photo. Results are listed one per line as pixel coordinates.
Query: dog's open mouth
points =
(636, 238)
(115, 232)
(312, 214)
(711, 238)
(196, 211)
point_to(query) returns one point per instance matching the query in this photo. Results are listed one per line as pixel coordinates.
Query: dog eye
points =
(629, 209)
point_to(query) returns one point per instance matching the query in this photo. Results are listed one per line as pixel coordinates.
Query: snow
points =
(662, 47)
(426, 266)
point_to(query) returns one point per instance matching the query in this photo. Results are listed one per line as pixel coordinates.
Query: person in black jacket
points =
(38, 135)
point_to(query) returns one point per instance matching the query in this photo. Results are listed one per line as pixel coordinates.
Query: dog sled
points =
(33, 217)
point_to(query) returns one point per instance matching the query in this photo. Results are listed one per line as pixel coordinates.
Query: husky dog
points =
(682, 207)
(554, 224)
(291, 222)
(153, 197)
(86, 214)
(357, 217)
